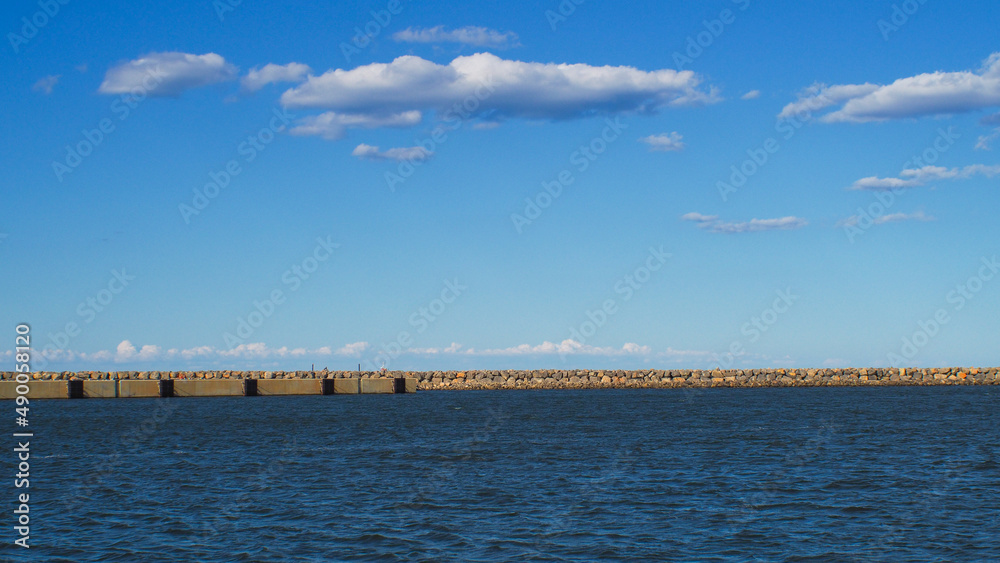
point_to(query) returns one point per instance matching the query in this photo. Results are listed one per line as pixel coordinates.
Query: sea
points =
(777, 474)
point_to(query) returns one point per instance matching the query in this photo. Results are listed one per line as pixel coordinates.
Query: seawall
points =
(314, 382)
(69, 385)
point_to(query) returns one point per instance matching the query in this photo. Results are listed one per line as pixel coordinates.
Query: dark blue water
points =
(846, 474)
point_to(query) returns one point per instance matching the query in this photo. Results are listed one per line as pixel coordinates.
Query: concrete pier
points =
(137, 388)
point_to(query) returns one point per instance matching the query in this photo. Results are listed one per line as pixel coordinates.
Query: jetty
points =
(125, 384)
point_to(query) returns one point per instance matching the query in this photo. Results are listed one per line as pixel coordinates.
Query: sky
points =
(500, 185)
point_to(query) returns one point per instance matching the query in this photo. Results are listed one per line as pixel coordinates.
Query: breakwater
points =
(312, 382)
(68, 385)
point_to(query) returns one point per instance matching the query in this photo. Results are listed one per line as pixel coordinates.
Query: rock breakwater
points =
(583, 379)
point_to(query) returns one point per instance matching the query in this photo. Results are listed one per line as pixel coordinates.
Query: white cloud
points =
(401, 153)
(913, 177)
(564, 348)
(46, 84)
(332, 125)
(698, 217)
(751, 95)
(352, 349)
(272, 73)
(933, 93)
(501, 88)
(664, 142)
(469, 35)
(819, 96)
(167, 74)
(876, 184)
(482, 125)
(568, 347)
(127, 352)
(258, 351)
(889, 218)
(713, 224)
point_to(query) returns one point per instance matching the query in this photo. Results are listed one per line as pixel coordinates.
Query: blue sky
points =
(501, 185)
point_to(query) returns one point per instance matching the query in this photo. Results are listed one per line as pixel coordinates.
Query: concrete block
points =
(138, 388)
(36, 389)
(378, 386)
(100, 389)
(411, 385)
(289, 386)
(346, 386)
(208, 388)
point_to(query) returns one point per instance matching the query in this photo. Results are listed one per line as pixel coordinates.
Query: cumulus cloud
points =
(258, 351)
(497, 87)
(698, 217)
(352, 349)
(469, 35)
(888, 218)
(333, 125)
(933, 93)
(402, 153)
(167, 74)
(126, 351)
(46, 84)
(913, 177)
(272, 73)
(751, 95)
(564, 348)
(664, 142)
(819, 96)
(713, 224)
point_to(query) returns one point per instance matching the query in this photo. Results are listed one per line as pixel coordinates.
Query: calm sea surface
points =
(877, 474)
